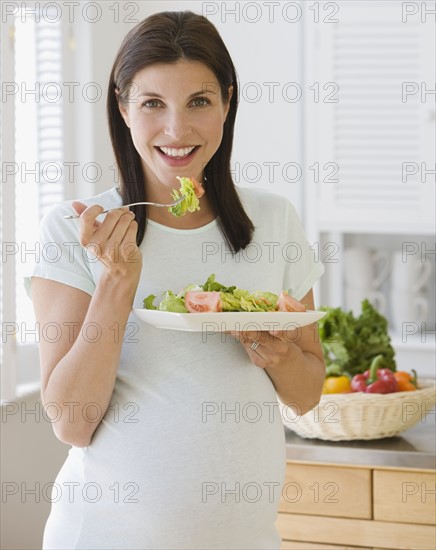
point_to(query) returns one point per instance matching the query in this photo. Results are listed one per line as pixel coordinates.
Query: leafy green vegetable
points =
(257, 301)
(190, 203)
(350, 344)
(232, 298)
(228, 301)
(211, 285)
(148, 302)
(170, 302)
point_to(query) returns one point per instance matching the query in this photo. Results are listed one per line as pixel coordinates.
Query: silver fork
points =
(175, 203)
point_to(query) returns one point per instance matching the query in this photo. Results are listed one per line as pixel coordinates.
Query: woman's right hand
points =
(112, 241)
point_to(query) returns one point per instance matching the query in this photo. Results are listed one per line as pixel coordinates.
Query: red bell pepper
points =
(375, 380)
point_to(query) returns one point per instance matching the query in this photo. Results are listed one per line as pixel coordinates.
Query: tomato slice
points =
(198, 189)
(198, 301)
(289, 303)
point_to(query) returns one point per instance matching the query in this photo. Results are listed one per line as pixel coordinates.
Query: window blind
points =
(35, 120)
(375, 127)
(48, 62)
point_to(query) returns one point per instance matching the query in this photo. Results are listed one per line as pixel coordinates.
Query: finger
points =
(78, 207)
(129, 248)
(279, 334)
(87, 212)
(247, 342)
(256, 358)
(121, 245)
(131, 232)
(289, 336)
(121, 227)
(125, 238)
(250, 336)
(88, 222)
(121, 249)
(113, 228)
(107, 226)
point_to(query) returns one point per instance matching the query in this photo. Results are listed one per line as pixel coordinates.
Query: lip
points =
(173, 161)
(176, 146)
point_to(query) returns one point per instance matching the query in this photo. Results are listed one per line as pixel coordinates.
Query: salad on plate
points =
(213, 297)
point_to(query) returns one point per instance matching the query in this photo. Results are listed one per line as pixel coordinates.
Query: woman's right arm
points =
(80, 368)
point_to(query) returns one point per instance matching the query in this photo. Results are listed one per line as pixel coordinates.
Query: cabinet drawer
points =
(290, 545)
(406, 497)
(327, 491)
(355, 532)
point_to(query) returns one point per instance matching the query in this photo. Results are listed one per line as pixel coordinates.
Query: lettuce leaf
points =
(211, 285)
(171, 302)
(190, 202)
(148, 302)
(232, 298)
(350, 343)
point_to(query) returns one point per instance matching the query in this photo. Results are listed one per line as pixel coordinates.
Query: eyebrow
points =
(201, 92)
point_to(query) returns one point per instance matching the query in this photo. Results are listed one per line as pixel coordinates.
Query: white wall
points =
(31, 457)
(267, 56)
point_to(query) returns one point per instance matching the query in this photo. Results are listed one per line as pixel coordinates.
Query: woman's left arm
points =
(292, 359)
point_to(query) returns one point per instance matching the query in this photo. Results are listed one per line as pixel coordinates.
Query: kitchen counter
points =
(414, 448)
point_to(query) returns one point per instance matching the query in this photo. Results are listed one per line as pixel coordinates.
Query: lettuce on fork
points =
(190, 203)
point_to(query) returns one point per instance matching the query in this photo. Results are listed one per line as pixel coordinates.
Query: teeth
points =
(177, 152)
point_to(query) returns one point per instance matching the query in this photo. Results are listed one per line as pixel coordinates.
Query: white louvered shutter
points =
(35, 117)
(370, 132)
(50, 113)
(7, 233)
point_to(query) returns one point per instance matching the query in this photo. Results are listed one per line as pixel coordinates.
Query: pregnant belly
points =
(215, 487)
(187, 458)
(188, 478)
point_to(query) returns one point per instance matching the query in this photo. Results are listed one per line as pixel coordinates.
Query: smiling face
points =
(176, 116)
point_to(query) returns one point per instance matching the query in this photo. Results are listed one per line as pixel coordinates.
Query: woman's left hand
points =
(273, 349)
(293, 360)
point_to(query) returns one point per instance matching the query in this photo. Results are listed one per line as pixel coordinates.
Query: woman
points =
(177, 441)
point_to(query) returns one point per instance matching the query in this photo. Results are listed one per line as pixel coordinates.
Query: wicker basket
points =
(363, 415)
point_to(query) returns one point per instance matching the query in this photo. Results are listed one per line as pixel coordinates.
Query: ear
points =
(122, 108)
(227, 105)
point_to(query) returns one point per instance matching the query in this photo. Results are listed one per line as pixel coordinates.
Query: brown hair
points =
(167, 37)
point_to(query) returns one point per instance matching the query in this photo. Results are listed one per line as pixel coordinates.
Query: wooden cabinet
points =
(414, 495)
(325, 506)
(288, 545)
(327, 491)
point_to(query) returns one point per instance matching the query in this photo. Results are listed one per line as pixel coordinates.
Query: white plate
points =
(224, 321)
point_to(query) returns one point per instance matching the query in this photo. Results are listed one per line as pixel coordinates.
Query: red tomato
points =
(198, 301)
(288, 303)
(198, 189)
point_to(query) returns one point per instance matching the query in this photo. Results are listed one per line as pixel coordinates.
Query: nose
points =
(177, 125)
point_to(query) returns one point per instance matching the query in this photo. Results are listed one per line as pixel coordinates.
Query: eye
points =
(151, 103)
(200, 102)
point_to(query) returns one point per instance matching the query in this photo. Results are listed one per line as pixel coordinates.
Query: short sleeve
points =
(60, 256)
(302, 268)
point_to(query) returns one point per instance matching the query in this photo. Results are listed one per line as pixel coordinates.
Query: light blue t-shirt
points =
(191, 452)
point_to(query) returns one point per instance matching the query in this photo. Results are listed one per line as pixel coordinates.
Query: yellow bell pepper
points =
(337, 384)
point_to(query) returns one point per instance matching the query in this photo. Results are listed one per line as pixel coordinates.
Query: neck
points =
(193, 220)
